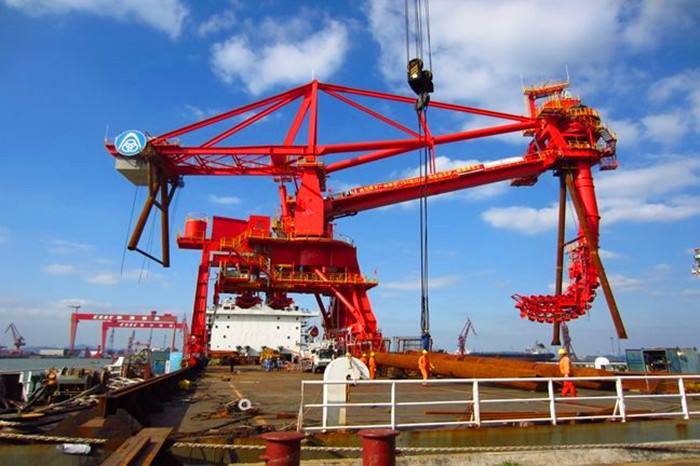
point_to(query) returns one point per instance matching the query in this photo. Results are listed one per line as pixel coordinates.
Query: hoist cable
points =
(423, 233)
(421, 13)
(427, 27)
(128, 229)
(408, 40)
(419, 30)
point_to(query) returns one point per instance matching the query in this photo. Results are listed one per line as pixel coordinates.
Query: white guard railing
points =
(476, 401)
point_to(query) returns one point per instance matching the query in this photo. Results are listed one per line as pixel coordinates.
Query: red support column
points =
(584, 185)
(282, 448)
(378, 447)
(198, 336)
(103, 339)
(73, 330)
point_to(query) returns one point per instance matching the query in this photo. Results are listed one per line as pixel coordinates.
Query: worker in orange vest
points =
(424, 366)
(363, 359)
(568, 386)
(372, 366)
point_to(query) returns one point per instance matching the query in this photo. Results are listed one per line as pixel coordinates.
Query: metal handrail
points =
(476, 401)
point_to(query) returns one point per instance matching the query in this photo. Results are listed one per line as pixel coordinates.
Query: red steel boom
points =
(297, 252)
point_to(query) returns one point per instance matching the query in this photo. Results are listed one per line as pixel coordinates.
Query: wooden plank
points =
(158, 437)
(144, 446)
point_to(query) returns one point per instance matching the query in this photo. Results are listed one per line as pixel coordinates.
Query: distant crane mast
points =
(462, 337)
(111, 342)
(130, 343)
(18, 339)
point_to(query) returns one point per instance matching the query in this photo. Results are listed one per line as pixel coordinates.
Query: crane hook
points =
(421, 82)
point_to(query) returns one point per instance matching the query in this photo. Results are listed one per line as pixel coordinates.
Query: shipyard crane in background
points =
(462, 337)
(175, 326)
(165, 321)
(17, 339)
(298, 251)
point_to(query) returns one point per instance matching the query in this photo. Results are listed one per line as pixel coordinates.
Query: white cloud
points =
(653, 18)
(662, 268)
(216, 23)
(607, 254)
(280, 52)
(667, 175)
(522, 219)
(143, 275)
(676, 99)
(199, 113)
(483, 63)
(58, 269)
(134, 275)
(636, 211)
(680, 83)
(666, 128)
(648, 194)
(224, 200)
(60, 246)
(628, 131)
(103, 278)
(621, 282)
(412, 284)
(163, 15)
(686, 87)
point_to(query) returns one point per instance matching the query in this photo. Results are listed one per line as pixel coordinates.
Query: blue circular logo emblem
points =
(130, 143)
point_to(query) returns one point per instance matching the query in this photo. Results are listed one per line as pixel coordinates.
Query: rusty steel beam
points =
(455, 366)
(461, 367)
(165, 223)
(559, 277)
(478, 367)
(153, 188)
(142, 398)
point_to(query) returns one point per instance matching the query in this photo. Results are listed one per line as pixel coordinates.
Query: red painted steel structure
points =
(297, 251)
(146, 324)
(135, 320)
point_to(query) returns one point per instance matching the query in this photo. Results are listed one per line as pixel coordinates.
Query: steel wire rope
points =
(128, 230)
(421, 13)
(419, 29)
(145, 265)
(427, 27)
(408, 40)
(423, 228)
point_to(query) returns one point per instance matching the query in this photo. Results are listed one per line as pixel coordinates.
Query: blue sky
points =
(76, 70)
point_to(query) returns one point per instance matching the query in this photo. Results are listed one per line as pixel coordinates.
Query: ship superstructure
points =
(247, 331)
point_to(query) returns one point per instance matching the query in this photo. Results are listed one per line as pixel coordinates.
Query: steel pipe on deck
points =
(469, 367)
(478, 367)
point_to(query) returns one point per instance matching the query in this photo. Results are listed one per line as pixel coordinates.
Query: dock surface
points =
(276, 396)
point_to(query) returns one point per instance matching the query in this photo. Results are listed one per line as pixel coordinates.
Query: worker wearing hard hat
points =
(372, 366)
(363, 359)
(424, 366)
(568, 387)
